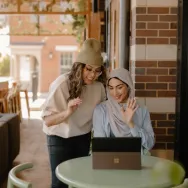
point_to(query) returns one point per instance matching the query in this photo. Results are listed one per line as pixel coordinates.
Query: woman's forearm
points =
(56, 118)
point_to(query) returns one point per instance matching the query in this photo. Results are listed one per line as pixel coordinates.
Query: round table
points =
(79, 173)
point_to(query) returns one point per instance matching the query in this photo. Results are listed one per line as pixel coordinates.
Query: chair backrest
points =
(15, 181)
(4, 85)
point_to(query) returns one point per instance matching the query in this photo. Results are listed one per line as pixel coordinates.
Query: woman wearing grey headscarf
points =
(120, 116)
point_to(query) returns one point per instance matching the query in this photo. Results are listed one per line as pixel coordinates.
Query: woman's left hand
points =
(129, 112)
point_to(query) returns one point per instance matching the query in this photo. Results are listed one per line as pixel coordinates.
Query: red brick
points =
(172, 86)
(167, 18)
(167, 63)
(158, 116)
(166, 93)
(167, 33)
(170, 146)
(173, 25)
(156, 86)
(174, 10)
(154, 25)
(171, 116)
(147, 18)
(140, 41)
(146, 33)
(140, 10)
(166, 78)
(141, 25)
(160, 131)
(160, 138)
(172, 71)
(157, 71)
(165, 123)
(171, 131)
(158, 10)
(145, 78)
(146, 63)
(145, 93)
(153, 123)
(140, 71)
(157, 40)
(139, 85)
(159, 145)
(173, 40)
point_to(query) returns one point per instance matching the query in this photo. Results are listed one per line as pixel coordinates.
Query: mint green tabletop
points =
(79, 173)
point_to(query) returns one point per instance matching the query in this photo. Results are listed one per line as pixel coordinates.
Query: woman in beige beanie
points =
(67, 112)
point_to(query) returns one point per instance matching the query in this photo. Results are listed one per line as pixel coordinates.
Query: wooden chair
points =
(25, 91)
(27, 99)
(14, 102)
(13, 180)
(4, 85)
(10, 101)
(3, 100)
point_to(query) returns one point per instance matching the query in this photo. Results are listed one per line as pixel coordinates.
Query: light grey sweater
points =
(141, 119)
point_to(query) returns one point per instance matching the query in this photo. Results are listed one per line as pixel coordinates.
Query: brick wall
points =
(153, 63)
(155, 78)
(163, 125)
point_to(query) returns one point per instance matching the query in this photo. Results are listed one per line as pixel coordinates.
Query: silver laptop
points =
(116, 153)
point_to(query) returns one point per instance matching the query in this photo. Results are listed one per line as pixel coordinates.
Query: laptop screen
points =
(116, 144)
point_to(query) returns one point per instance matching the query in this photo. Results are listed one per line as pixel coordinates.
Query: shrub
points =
(5, 66)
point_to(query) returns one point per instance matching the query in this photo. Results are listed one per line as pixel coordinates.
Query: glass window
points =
(66, 62)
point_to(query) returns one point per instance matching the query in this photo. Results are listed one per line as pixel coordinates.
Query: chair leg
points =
(27, 102)
(4, 107)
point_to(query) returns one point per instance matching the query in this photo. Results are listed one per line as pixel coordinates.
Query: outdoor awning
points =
(44, 6)
(43, 17)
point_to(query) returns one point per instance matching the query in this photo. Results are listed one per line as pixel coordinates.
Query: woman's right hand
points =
(129, 112)
(73, 105)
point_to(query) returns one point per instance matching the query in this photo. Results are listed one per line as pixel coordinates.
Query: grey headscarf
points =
(118, 127)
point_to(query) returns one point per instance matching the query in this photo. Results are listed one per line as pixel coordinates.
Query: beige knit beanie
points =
(90, 53)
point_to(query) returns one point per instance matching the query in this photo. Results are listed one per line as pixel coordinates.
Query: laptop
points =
(116, 153)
